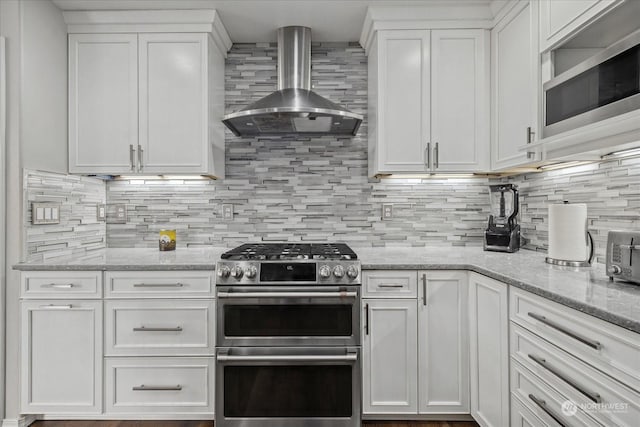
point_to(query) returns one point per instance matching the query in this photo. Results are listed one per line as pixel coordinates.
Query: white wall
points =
(36, 137)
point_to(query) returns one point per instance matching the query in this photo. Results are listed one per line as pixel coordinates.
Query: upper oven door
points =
(288, 316)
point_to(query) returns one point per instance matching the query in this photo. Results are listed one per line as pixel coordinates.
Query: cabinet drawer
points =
(611, 349)
(159, 284)
(159, 327)
(543, 401)
(390, 283)
(161, 385)
(61, 284)
(521, 416)
(583, 384)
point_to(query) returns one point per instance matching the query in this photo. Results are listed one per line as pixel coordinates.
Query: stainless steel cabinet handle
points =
(436, 151)
(57, 306)
(366, 319)
(424, 289)
(630, 247)
(428, 155)
(132, 157)
(140, 151)
(158, 285)
(390, 286)
(543, 405)
(287, 294)
(591, 343)
(289, 358)
(58, 285)
(143, 387)
(147, 329)
(530, 134)
(595, 397)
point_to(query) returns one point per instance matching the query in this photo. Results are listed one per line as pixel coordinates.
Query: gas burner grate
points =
(290, 251)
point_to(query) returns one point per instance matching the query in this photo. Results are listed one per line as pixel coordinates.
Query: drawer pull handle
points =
(158, 285)
(143, 387)
(57, 306)
(595, 397)
(424, 289)
(366, 314)
(59, 285)
(543, 405)
(586, 341)
(390, 286)
(147, 329)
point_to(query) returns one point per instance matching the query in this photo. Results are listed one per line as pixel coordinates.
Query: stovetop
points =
(290, 251)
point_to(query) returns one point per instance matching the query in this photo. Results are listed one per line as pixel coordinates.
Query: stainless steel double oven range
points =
(288, 336)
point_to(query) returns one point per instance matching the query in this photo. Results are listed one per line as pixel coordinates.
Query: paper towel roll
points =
(568, 239)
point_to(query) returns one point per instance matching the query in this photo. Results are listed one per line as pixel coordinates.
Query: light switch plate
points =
(45, 213)
(227, 211)
(101, 212)
(387, 211)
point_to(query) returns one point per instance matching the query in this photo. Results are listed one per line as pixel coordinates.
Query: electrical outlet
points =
(116, 214)
(227, 211)
(387, 211)
(101, 212)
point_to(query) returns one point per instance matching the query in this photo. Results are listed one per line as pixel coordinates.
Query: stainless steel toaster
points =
(623, 255)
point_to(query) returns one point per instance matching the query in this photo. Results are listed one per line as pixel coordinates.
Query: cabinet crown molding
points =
(434, 15)
(150, 21)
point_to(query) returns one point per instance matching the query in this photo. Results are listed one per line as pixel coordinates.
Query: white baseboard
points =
(19, 422)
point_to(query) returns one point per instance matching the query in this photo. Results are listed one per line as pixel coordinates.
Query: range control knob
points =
(251, 271)
(224, 271)
(352, 272)
(325, 272)
(338, 271)
(237, 272)
(614, 269)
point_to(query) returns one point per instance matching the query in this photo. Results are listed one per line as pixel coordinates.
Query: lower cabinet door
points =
(62, 357)
(443, 342)
(489, 351)
(160, 385)
(390, 366)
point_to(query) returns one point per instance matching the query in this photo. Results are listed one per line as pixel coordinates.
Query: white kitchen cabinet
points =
(428, 101)
(61, 369)
(148, 103)
(390, 350)
(103, 102)
(515, 86)
(560, 19)
(443, 342)
(489, 350)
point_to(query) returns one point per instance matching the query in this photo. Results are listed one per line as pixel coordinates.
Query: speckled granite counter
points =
(585, 289)
(133, 259)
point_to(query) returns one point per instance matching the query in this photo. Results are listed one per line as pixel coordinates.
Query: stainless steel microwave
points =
(605, 85)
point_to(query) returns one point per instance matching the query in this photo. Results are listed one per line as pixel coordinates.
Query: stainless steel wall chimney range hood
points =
(293, 108)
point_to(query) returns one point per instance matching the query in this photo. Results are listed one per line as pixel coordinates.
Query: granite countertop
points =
(584, 289)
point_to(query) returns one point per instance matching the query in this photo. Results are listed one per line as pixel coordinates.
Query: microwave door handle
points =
(345, 294)
(349, 357)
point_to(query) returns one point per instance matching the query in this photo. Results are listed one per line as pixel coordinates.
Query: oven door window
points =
(288, 320)
(308, 391)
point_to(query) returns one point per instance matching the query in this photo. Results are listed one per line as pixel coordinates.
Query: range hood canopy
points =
(293, 108)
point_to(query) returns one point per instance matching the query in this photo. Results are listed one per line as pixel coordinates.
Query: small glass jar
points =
(167, 241)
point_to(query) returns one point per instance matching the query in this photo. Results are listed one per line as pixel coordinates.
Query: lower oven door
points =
(287, 387)
(287, 316)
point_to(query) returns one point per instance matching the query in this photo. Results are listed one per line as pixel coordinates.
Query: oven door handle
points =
(349, 357)
(343, 294)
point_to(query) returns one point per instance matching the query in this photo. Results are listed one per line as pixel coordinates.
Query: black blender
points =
(503, 231)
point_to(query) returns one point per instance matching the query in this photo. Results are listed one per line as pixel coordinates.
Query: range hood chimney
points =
(294, 108)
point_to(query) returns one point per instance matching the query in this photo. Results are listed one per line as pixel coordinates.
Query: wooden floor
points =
(210, 424)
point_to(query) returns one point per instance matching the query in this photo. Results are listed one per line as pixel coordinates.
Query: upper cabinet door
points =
(402, 127)
(460, 100)
(516, 71)
(559, 19)
(173, 103)
(103, 102)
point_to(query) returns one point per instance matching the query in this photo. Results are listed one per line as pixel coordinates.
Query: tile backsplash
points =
(78, 232)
